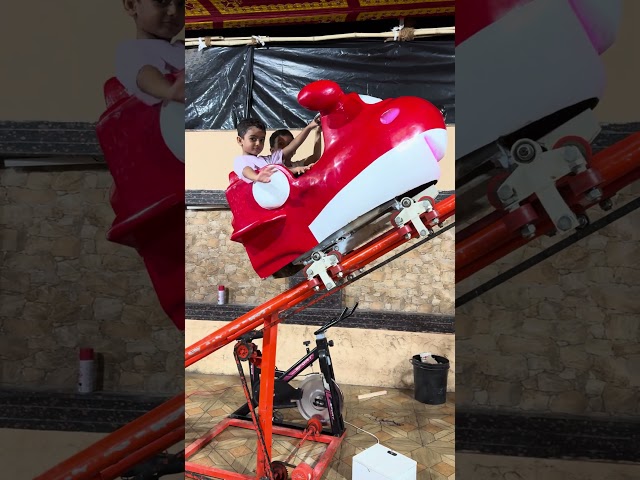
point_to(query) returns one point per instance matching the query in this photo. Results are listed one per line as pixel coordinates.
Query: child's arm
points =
(262, 176)
(153, 82)
(290, 150)
(315, 156)
(317, 149)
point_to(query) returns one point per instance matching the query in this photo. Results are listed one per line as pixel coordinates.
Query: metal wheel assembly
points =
(313, 400)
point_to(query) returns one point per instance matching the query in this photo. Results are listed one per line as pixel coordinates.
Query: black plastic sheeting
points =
(217, 82)
(226, 84)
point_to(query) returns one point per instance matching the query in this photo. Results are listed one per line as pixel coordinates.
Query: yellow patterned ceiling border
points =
(199, 26)
(332, 18)
(193, 8)
(236, 7)
(404, 13)
(394, 3)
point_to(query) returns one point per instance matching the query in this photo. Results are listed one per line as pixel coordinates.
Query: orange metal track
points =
(106, 459)
(355, 260)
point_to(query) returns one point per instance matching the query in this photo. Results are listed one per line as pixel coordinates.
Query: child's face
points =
(162, 19)
(253, 141)
(281, 142)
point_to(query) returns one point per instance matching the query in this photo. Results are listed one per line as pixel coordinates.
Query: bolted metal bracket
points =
(411, 212)
(536, 173)
(319, 266)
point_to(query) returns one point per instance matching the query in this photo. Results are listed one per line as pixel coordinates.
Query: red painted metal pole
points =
(199, 444)
(267, 381)
(214, 472)
(243, 324)
(323, 462)
(159, 445)
(618, 160)
(619, 165)
(480, 244)
(114, 448)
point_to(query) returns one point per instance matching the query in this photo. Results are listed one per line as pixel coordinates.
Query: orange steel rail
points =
(498, 233)
(163, 427)
(106, 459)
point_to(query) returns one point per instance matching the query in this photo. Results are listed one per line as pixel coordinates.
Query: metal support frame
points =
(333, 443)
(270, 311)
(267, 386)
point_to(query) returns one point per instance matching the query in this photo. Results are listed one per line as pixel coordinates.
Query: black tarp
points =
(217, 89)
(226, 84)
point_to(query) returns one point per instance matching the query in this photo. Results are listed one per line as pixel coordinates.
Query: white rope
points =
(368, 433)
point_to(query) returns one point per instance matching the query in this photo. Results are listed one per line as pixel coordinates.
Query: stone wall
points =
(65, 286)
(563, 336)
(211, 259)
(421, 281)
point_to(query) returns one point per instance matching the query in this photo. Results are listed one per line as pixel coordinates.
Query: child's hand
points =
(300, 170)
(314, 123)
(264, 176)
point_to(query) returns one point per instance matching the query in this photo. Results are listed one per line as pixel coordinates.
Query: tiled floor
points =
(422, 432)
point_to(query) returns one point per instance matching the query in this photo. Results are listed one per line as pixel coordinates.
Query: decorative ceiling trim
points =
(215, 14)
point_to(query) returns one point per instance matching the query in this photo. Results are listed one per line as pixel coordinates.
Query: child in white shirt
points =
(142, 64)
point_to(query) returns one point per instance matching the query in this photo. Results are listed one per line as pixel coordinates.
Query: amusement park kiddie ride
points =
(331, 223)
(525, 169)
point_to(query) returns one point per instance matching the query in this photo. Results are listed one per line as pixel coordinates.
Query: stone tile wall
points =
(64, 286)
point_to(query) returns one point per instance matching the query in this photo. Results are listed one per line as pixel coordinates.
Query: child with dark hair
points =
(283, 137)
(142, 64)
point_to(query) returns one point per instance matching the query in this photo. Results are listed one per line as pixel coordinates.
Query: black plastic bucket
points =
(430, 380)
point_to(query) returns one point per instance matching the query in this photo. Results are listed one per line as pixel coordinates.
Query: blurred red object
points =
(147, 194)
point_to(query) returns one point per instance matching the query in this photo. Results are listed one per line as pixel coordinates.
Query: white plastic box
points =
(382, 463)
